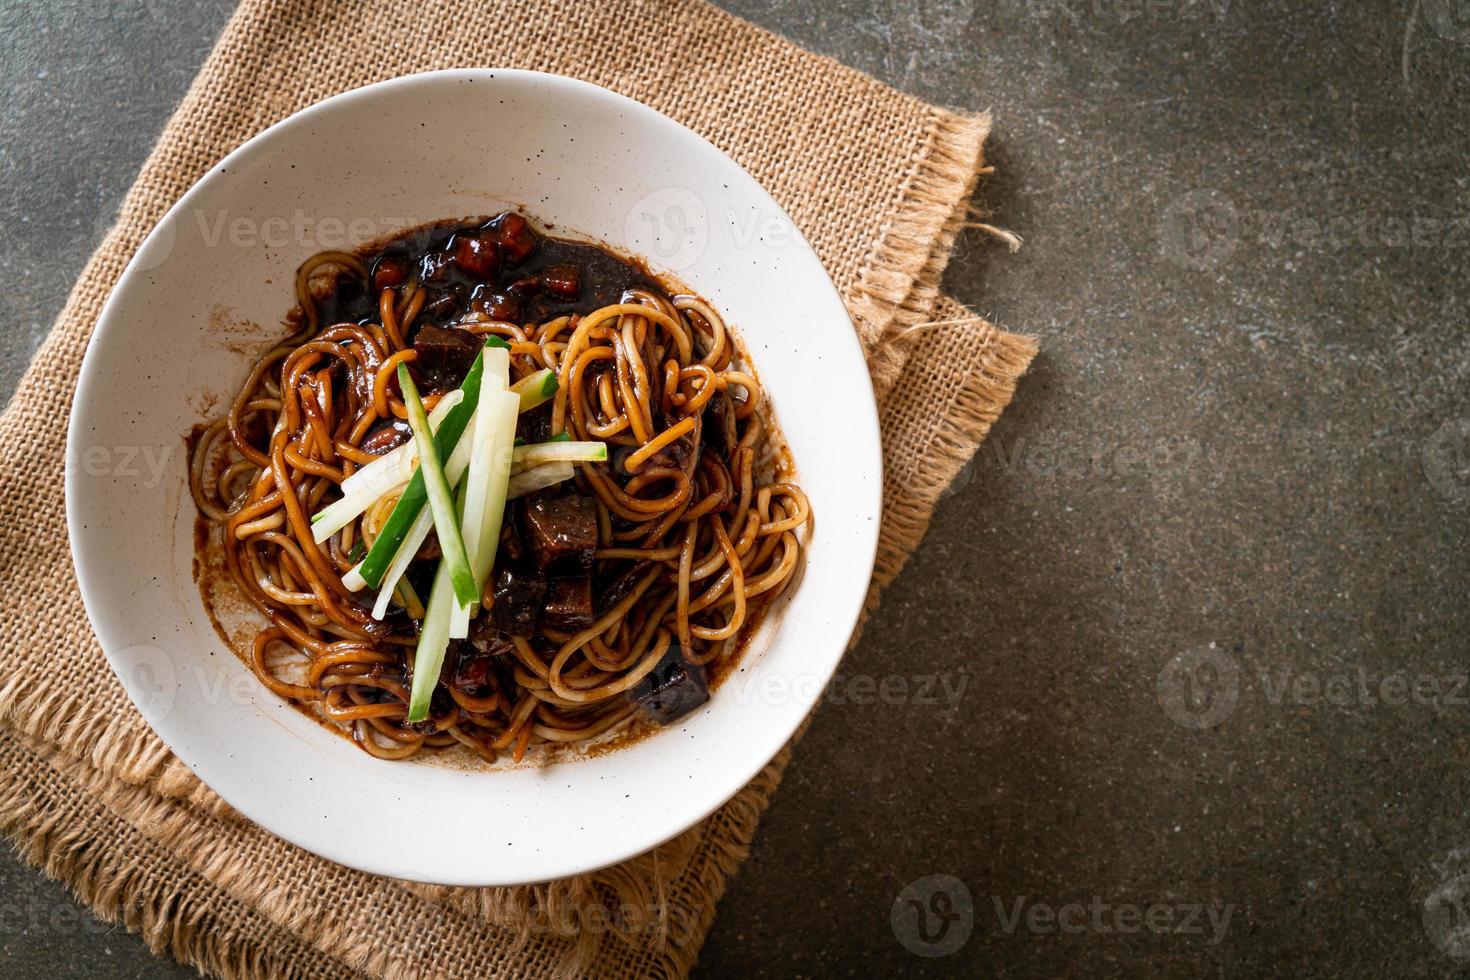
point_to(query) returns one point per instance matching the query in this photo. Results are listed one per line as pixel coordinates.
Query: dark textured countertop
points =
(1196, 618)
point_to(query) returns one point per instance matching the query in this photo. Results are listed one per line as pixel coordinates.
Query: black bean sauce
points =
(501, 267)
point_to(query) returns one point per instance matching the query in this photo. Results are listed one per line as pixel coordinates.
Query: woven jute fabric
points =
(878, 183)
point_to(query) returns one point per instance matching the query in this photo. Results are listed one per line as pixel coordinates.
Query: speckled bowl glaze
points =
(208, 290)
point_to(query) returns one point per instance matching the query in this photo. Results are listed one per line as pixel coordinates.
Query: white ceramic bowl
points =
(176, 333)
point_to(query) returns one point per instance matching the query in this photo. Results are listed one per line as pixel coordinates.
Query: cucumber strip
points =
(441, 501)
(485, 492)
(413, 539)
(401, 559)
(496, 373)
(412, 501)
(495, 423)
(535, 389)
(558, 451)
(428, 657)
(535, 479)
(400, 459)
(362, 489)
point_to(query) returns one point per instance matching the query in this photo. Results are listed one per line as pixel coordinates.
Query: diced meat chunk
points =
(560, 532)
(487, 639)
(562, 281)
(474, 669)
(674, 688)
(477, 256)
(511, 548)
(514, 236)
(435, 266)
(535, 426)
(386, 435)
(497, 305)
(444, 302)
(568, 604)
(612, 591)
(444, 354)
(520, 591)
(390, 272)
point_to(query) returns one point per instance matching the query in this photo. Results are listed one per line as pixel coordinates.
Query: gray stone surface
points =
(1201, 602)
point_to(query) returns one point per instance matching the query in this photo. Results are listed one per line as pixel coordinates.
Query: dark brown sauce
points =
(604, 275)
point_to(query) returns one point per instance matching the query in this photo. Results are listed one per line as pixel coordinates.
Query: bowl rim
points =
(862, 432)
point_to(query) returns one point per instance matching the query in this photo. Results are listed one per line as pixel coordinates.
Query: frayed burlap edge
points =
(898, 288)
(190, 916)
(979, 399)
(185, 916)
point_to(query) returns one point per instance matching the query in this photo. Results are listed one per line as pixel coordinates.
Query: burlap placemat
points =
(878, 183)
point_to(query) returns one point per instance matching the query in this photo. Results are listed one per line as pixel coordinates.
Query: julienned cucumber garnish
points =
(441, 502)
(535, 389)
(559, 451)
(383, 475)
(412, 501)
(428, 657)
(482, 499)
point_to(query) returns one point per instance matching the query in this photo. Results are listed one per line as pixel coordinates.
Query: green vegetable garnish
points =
(441, 502)
(406, 511)
(535, 389)
(428, 657)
